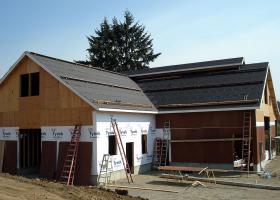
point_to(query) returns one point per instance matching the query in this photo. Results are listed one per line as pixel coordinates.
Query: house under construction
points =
(219, 112)
(216, 112)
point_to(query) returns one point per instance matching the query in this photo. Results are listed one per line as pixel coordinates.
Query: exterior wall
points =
(131, 126)
(53, 150)
(204, 125)
(11, 150)
(266, 110)
(55, 106)
(56, 110)
(59, 137)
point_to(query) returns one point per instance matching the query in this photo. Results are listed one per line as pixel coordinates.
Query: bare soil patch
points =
(16, 187)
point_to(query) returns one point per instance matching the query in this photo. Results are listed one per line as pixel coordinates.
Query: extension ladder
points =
(165, 143)
(106, 170)
(246, 142)
(161, 147)
(70, 160)
(121, 150)
(163, 152)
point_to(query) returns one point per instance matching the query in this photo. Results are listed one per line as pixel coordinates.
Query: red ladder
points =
(246, 142)
(70, 160)
(122, 152)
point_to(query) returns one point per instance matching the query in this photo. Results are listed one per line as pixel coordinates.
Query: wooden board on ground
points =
(199, 169)
(231, 183)
(142, 188)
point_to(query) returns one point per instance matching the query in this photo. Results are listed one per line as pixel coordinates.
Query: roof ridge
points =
(257, 63)
(74, 63)
(191, 63)
(195, 66)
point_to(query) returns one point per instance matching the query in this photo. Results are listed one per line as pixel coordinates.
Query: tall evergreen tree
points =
(120, 46)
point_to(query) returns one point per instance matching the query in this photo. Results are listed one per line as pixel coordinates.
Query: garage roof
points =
(237, 86)
(103, 90)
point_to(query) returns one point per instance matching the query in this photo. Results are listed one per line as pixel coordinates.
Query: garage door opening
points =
(29, 150)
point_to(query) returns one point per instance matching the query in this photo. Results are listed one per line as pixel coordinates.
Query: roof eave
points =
(128, 111)
(208, 110)
(13, 66)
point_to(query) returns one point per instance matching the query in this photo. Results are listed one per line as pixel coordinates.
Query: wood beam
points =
(209, 140)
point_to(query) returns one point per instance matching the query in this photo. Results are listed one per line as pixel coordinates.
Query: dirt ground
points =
(15, 188)
(211, 191)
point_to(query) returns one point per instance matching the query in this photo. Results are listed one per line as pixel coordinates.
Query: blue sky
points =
(183, 30)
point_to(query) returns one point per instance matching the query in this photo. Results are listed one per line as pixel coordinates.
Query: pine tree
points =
(121, 46)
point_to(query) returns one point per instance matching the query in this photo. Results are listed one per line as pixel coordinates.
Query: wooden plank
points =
(233, 102)
(209, 140)
(222, 182)
(142, 188)
(198, 169)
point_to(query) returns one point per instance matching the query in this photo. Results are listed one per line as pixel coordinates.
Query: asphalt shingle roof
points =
(102, 88)
(223, 63)
(241, 86)
(228, 83)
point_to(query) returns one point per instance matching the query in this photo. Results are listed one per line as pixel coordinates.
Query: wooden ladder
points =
(121, 150)
(246, 142)
(70, 160)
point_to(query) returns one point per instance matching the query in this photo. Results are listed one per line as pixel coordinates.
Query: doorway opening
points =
(267, 135)
(29, 150)
(129, 155)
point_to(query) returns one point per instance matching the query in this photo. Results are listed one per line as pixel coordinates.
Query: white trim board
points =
(265, 81)
(261, 124)
(127, 111)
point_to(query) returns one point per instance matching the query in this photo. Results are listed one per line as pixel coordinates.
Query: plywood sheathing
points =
(271, 109)
(188, 126)
(56, 104)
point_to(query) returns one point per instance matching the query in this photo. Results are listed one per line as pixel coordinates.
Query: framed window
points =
(35, 80)
(24, 85)
(144, 143)
(112, 145)
(29, 84)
